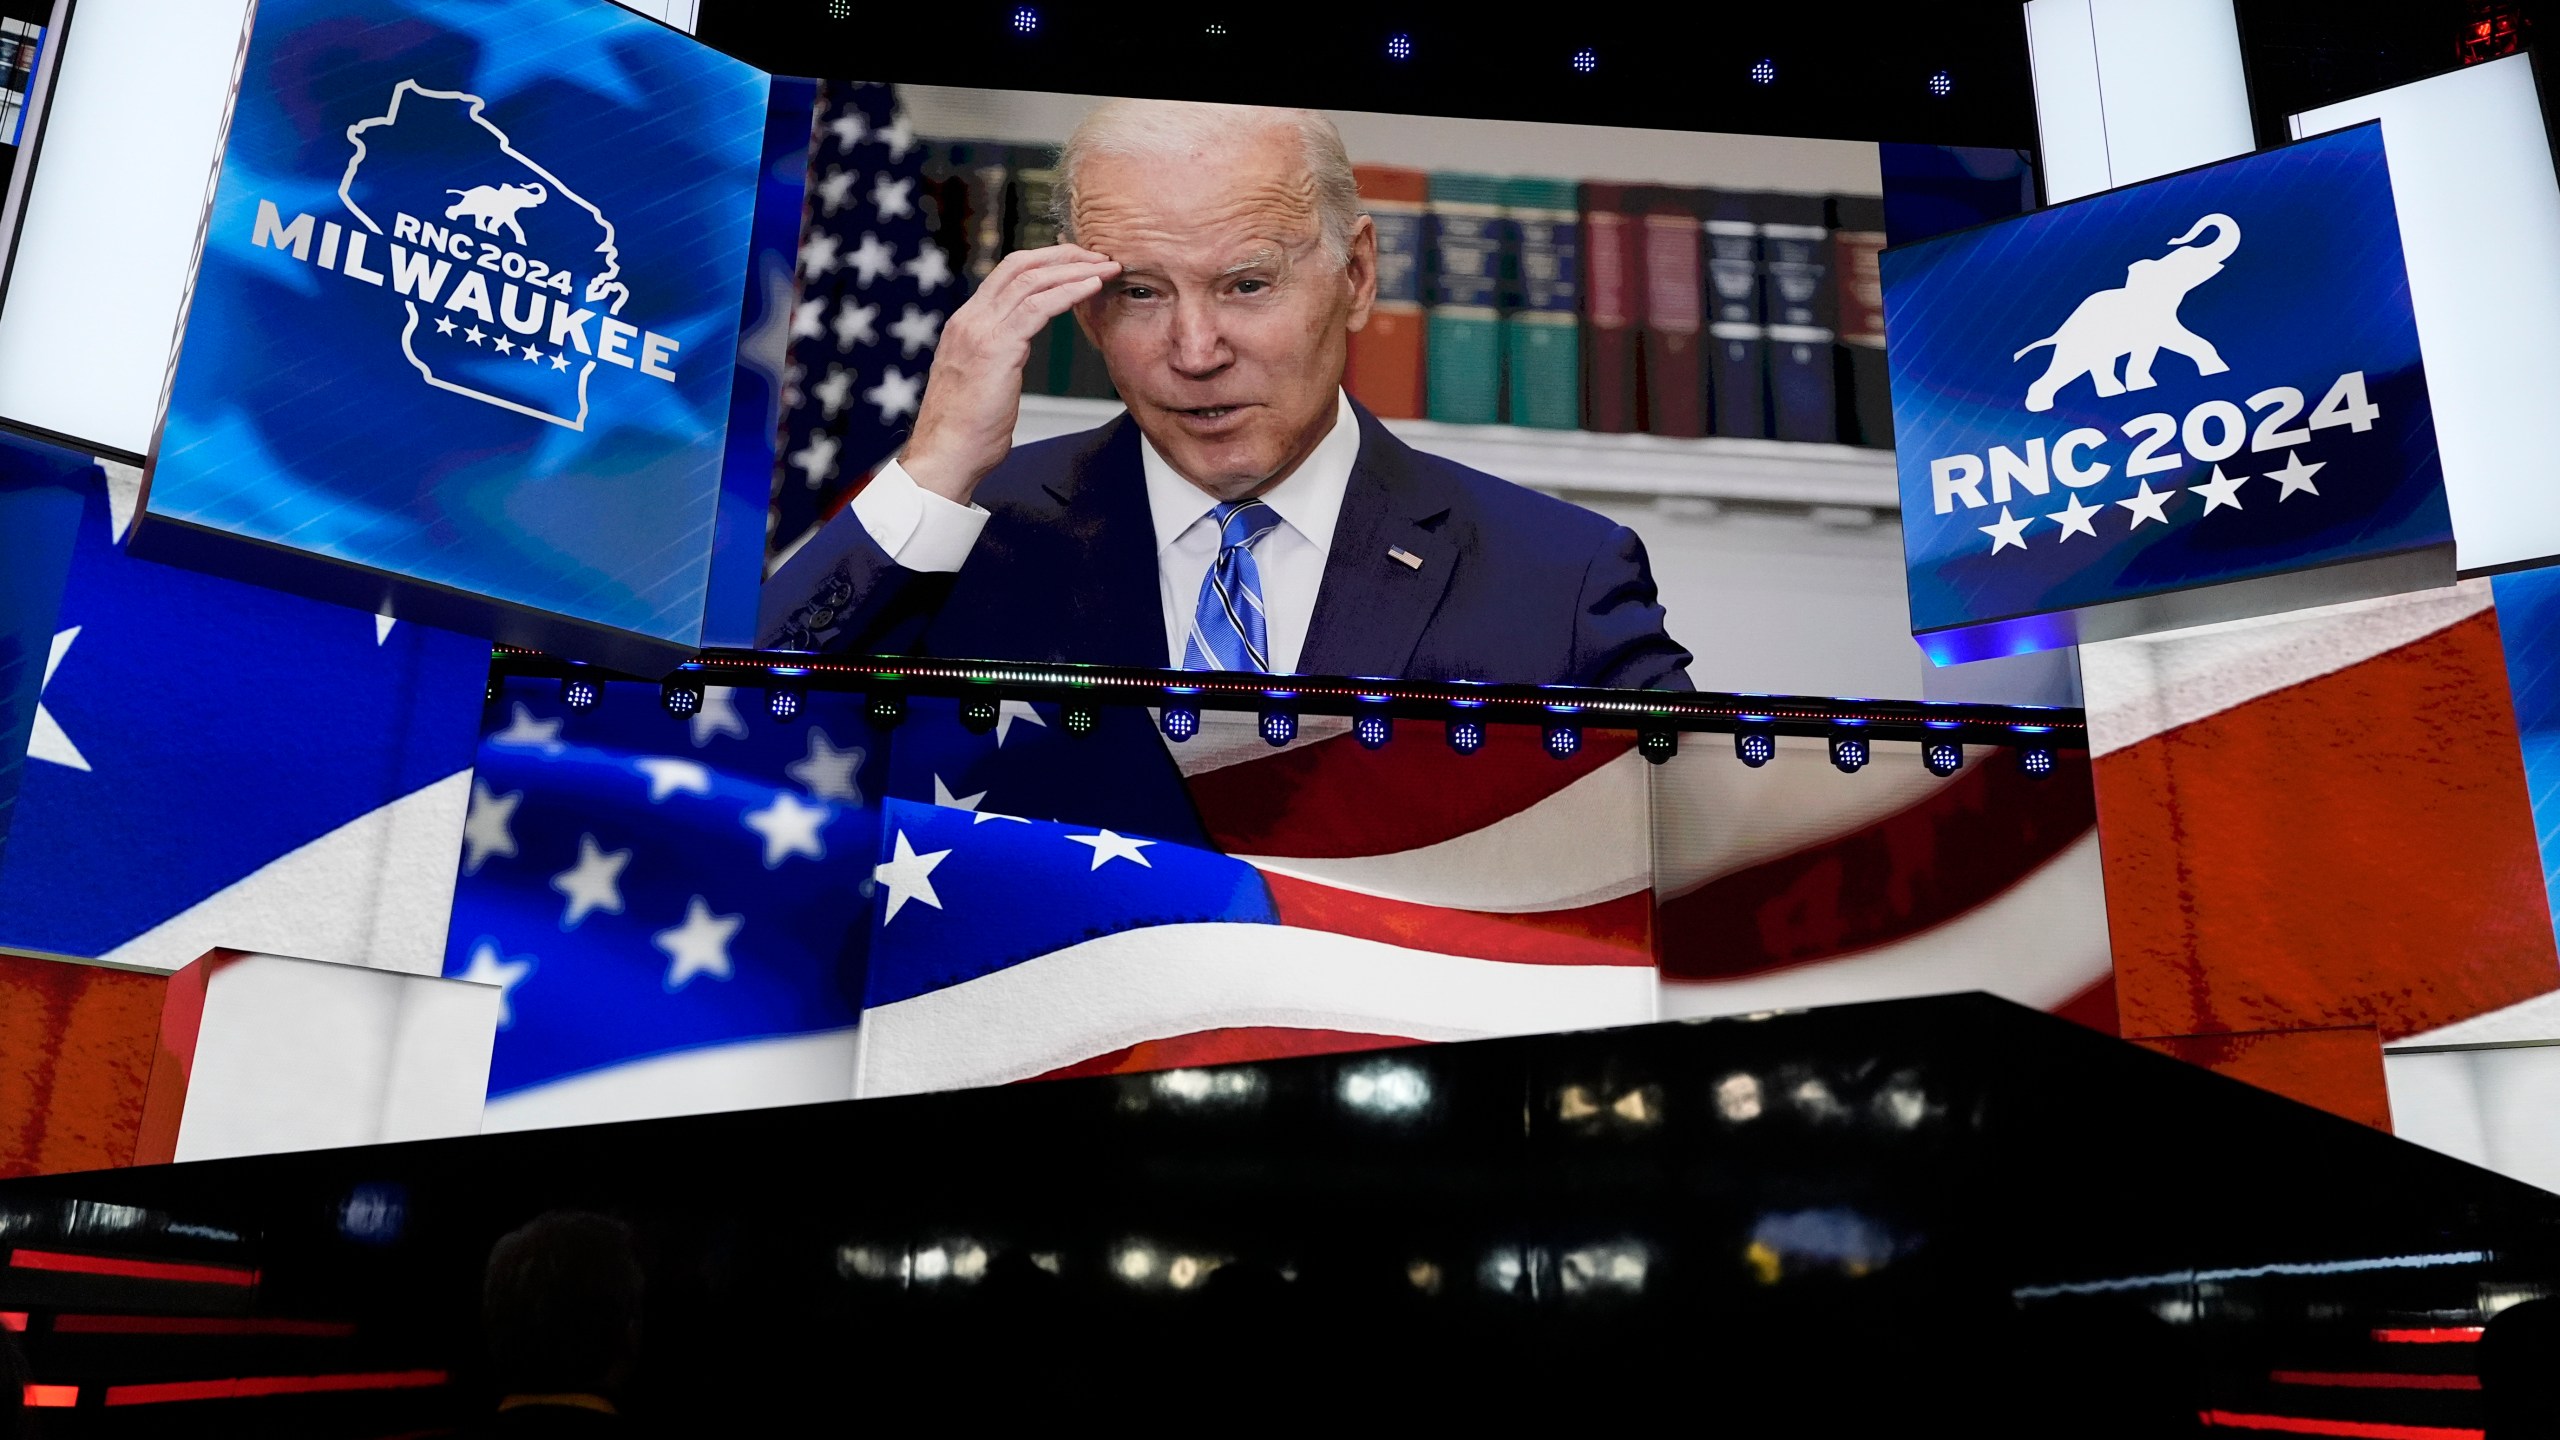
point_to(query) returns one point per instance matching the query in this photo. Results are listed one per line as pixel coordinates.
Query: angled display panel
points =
(2111, 411)
(464, 328)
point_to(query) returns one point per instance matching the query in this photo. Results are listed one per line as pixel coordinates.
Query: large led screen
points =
(1085, 380)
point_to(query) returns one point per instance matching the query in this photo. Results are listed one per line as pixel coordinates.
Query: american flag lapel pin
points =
(1404, 557)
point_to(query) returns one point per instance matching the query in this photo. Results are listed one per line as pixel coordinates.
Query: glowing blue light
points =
(1399, 47)
(1942, 84)
(1765, 73)
(1279, 727)
(681, 697)
(1585, 60)
(1942, 757)
(1373, 731)
(1466, 736)
(1754, 748)
(1849, 753)
(782, 702)
(1026, 21)
(1564, 741)
(1180, 722)
(580, 693)
(2037, 762)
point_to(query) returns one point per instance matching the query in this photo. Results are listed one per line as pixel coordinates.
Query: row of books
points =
(1559, 305)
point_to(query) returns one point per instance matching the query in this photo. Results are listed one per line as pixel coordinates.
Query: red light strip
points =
(255, 1386)
(13, 1320)
(2440, 1335)
(52, 1397)
(2375, 1380)
(196, 1325)
(131, 1269)
(2358, 1429)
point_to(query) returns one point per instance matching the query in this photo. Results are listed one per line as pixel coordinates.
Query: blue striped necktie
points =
(1227, 630)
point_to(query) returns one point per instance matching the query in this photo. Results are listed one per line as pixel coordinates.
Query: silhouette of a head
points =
(561, 1305)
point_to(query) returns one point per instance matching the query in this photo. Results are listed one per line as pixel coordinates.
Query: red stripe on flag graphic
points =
(1333, 800)
(1611, 932)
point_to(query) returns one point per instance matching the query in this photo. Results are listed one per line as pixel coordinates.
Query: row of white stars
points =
(2221, 492)
(444, 326)
(871, 259)
(851, 127)
(699, 946)
(906, 875)
(857, 324)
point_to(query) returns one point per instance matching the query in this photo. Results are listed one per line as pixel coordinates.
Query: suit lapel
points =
(1372, 607)
(1113, 612)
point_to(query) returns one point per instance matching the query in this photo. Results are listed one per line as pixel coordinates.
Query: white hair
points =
(1148, 129)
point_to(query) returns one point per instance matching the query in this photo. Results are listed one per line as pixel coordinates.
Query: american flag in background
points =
(873, 292)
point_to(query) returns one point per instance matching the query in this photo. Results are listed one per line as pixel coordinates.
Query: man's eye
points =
(1137, 292)
(1252, 287)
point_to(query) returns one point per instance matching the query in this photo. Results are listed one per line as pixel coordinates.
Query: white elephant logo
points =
(492, 206)
(2137, 319)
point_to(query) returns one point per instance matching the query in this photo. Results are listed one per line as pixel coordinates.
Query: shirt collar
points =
(1309, 501)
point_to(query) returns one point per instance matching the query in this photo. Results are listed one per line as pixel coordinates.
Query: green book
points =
(1542, 304)
(1466, 241)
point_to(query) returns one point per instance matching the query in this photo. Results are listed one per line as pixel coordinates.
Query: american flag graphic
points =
(873, 292)
(1234, 901)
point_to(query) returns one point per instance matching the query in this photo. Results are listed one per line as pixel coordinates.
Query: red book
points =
(1385, 368)
(1612, 298)
(1673, 238)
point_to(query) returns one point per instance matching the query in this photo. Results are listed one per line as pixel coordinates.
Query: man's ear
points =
(1360, 270)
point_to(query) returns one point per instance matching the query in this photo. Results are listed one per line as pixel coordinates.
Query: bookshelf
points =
(1568, 462)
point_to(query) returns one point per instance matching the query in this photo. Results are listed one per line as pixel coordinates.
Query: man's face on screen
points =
(1226, 328)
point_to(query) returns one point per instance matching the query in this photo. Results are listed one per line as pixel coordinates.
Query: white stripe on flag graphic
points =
(1163, 981)
(1579, 846)
(791, 1070)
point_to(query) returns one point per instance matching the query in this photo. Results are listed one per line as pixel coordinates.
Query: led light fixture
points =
(884, 710)
(1849, 752)
(2036, 760)
(978, 714)
(1564, 741)
(1943, 757)
(784, 702)
(1279, 727)
(1585, 60)
(1657, 743)
(1081, 719)
(1466, 736)
(1399, 46)
(1026, 20)
(1373, 731)
(1754, 748)
(580, 692)
(1942, 84)
(683, 698)
(1765, 73)
(1180, 722)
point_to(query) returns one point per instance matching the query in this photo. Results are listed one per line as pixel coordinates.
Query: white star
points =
(475, 335)
(827, 772)
(2075, 519)
(896, 395)
(790, 827)
(849, 128)
(668, 776)
(916, 330)
(594, 883)
(836, 188)
(889, 197)
(525, 731)
(931, 268)
(2222, 491)
(532, 355)
(943, 797)
(818, 254)
(853, 325)
(2146, 505)
(906, 876)
(871, 259)
(1111, 846)
(718, 716)
(559, 362)
(699, 946)
(444, 324)
(833, 391)
(2295, 475)
(488, 967)
(2006, 531)
(1008, 711)
(506, 346)
(898, 137)
(809, 319)
(484, 829)
(47, 742)
(817, 459)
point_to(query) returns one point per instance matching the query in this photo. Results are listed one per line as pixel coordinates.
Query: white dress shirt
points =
(922, 531)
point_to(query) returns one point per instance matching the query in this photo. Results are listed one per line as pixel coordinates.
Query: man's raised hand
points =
(974, 394)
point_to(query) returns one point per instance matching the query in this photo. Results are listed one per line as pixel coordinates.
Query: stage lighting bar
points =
(1368, 706)
(1850, 752)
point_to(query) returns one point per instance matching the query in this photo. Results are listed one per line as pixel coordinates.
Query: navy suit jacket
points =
(1514, 585)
